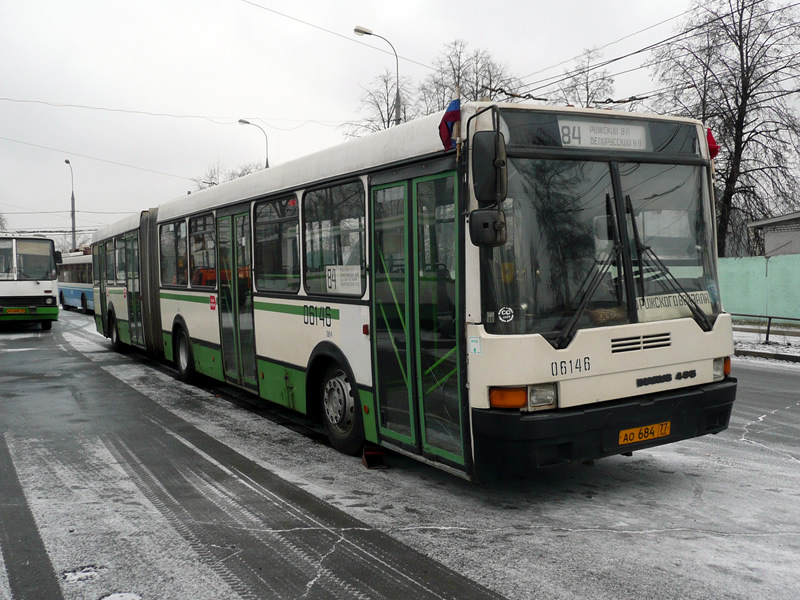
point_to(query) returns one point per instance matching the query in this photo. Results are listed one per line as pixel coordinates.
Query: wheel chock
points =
(373, 458)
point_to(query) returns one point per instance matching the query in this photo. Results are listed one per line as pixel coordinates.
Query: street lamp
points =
(72, 211)
(266, 140)
(359, 30)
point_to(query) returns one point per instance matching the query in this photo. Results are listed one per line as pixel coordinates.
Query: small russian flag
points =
(451, 116)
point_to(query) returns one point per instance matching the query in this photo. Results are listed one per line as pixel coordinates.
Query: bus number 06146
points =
(570, 367)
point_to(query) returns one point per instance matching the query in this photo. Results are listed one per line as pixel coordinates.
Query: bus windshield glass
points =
(33, 261)
(577, 227)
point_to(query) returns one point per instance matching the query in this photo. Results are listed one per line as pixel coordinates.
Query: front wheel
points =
(183, 356)
(341, 412)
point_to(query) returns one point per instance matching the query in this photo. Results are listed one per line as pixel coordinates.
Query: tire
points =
(116, 344)
(341, 411)
(184, 361)
(47, 325)
(63, 305)
(84, 304)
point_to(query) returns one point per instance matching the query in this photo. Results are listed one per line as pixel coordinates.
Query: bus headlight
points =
(49, 300)
(541, 396)
(722, 368)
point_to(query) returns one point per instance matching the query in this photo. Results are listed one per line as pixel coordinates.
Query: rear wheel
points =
(47, 325)
(341, 412)
(184, 361)
(84, 304)
(64, 305)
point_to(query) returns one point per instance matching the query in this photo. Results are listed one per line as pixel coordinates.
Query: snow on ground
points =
(782, 342)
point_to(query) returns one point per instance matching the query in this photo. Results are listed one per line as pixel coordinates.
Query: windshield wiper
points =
(565, 335)
(643, 251)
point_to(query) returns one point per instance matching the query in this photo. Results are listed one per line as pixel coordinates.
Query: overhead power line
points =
(554, 80)
(112, 162)
(348, 37)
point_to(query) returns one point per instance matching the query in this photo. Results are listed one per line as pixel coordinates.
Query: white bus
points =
(28, 284)
(544, 292)
(75, 281)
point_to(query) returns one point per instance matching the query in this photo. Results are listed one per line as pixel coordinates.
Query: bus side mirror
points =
(58, 257)
(489, 170)
(487, 227)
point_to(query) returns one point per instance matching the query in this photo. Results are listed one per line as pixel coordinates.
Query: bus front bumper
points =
(513, 441)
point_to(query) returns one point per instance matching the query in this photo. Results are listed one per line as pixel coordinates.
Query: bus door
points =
(132, 284)
(415, 308)
(99, 279)
(235, 305)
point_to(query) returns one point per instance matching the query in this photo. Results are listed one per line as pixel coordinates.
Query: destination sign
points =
(602, 135)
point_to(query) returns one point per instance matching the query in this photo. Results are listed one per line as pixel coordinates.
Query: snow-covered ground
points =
(784, 343)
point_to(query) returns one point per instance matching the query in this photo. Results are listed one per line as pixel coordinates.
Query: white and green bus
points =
(544, 292)
(28, 280)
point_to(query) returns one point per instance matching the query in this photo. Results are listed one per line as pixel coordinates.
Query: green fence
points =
(757, 285)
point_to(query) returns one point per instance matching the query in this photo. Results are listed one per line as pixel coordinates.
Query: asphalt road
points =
(117, 482)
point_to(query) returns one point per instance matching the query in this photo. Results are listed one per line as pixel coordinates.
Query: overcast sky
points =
(164, 82)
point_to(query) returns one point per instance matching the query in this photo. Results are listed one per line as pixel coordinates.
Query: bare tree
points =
(63, 243)
(585, 84)
(218, 173)
(736, 66)
(3, 223)
(476, 74)
(377, 105)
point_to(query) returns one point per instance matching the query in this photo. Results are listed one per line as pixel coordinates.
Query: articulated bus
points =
(544, 292)
(28, 284)
(75, 281)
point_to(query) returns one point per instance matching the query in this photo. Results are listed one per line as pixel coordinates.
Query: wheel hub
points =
(338, 404)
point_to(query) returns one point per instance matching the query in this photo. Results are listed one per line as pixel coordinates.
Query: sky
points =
(144, 97)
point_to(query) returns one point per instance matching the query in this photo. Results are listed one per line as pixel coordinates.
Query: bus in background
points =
(75, 281)
(28, 283)
(542, 291)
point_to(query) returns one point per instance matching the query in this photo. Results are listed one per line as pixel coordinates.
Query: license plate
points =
(643, 434)
(16, 311)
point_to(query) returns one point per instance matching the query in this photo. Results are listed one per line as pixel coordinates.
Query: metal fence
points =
(768, 319)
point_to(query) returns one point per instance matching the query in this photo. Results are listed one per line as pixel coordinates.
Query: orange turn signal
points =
(508, 397)
(727, 366)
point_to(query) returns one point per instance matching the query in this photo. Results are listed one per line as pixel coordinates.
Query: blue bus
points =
(75, 281)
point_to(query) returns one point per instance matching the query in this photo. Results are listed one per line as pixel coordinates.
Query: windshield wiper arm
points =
(565, 335)
(638, 241)
(698, 313)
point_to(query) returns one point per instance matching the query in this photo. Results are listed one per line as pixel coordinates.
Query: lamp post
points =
(266, 140)
(72, 210)
(359, 30)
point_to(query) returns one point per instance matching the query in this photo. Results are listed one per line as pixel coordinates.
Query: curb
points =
(787, 357)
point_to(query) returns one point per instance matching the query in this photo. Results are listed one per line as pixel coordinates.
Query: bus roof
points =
(416, 138)
(124, 225)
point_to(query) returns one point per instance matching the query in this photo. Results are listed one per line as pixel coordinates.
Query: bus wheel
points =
(84, 304)
(183, 356)
(116, 343)
(341, 412)
(63, 304)
(47, 325)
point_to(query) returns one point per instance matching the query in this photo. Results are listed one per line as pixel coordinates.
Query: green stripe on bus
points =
(204, 299)
(292, 309)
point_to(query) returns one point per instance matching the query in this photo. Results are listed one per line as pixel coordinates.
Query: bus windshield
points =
(33, 261)
(562, 267)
